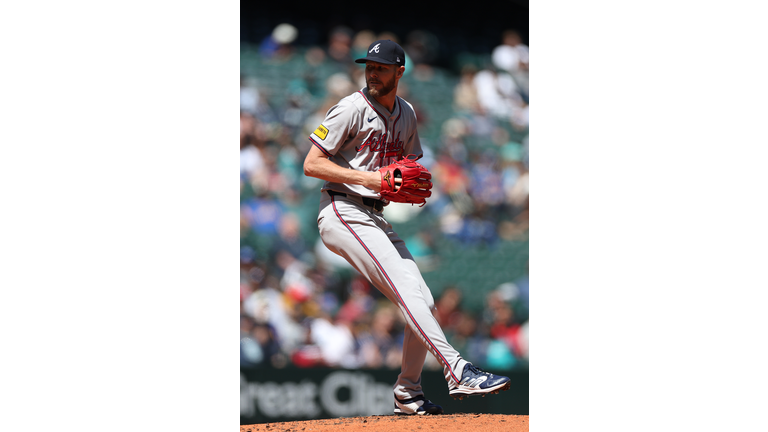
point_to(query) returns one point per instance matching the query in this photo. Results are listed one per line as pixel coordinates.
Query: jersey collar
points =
(379, 108)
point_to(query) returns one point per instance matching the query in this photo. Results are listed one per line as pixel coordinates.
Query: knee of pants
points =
(428, 298)
(425, 295)
(411, 267)
(324, 230)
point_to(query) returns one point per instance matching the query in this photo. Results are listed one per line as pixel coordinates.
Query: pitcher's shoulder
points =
(354, 102)
(356, 99)
(406, 107)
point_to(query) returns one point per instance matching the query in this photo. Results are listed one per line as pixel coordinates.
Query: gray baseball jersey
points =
(359, 133)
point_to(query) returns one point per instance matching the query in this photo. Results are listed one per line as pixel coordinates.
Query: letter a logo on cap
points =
(376, 48)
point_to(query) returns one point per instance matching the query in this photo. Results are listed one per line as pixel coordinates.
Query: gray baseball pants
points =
(367, 241)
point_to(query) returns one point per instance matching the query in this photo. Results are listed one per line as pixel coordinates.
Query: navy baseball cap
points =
(384, 51)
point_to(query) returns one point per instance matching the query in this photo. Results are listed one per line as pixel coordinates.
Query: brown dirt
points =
(393, 423)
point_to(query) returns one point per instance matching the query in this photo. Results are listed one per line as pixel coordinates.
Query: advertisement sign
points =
(275, 395)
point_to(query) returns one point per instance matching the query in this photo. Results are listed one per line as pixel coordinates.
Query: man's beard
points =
(385, 89)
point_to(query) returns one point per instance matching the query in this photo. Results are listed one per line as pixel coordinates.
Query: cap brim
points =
(374, 59)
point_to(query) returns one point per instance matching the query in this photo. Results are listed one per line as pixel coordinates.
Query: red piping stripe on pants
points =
(445, 362)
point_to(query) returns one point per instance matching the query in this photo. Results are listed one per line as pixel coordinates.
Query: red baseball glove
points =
(415, 184)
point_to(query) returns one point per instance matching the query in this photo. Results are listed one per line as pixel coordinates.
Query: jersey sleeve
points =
(413, 145)
(339, 124)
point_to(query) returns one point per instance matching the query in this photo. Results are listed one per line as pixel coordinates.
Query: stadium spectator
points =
(277, 45)
(448, 309)
(497, 93)
(465, 99)
(512, 56)
(382, 346)
(340, 45)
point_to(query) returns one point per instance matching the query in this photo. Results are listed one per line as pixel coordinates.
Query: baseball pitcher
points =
(366, 149)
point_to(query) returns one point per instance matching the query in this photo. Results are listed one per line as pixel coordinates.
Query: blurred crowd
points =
(302, 306)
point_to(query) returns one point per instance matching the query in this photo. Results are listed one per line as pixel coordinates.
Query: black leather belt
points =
(370, 202)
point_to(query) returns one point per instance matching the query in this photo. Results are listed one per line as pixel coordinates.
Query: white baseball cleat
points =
(417, 405)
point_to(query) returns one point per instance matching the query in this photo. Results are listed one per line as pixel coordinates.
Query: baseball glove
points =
(415, 184)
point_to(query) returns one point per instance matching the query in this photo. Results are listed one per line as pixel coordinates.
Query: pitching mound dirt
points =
(393, 423)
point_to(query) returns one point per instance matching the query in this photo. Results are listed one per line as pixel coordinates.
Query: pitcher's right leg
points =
(353, 233)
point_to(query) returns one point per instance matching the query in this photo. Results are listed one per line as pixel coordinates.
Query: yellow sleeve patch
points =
(321, 132)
